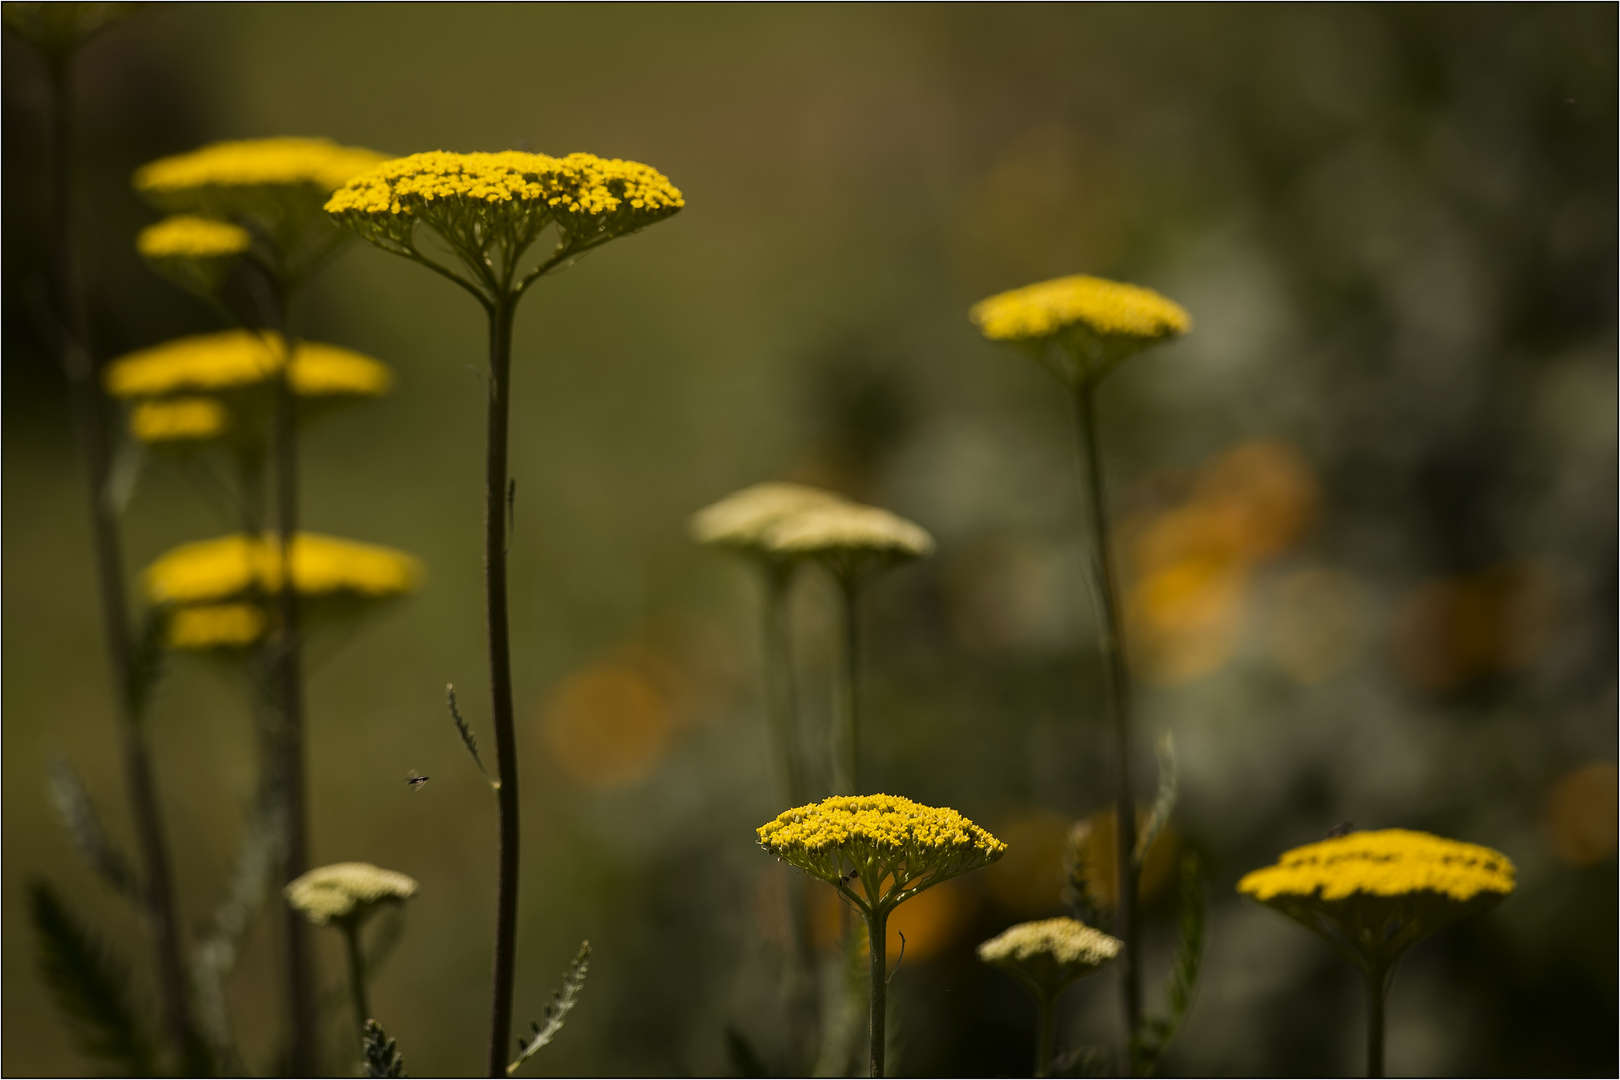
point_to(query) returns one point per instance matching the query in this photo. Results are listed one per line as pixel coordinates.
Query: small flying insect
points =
(415, 779)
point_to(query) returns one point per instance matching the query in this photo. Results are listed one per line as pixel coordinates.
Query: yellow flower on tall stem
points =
(878, 851)
(1080, 328)
(1373, 895)
(490, 210)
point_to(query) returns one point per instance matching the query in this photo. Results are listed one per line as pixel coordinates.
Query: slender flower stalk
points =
(893, 849)
(1080, 328)
(854, 543)
(1045, 958)
(57, 31)
(272, 190)
(1373, 895)
(490, 209)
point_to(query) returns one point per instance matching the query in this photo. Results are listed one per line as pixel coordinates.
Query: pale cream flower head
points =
(743, 519)
(851, 540)
(1047, 955)
(344, 892)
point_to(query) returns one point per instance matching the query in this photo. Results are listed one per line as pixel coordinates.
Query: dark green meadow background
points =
(1395, 228)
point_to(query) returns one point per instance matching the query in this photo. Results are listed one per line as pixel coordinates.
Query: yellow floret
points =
(884, 839)
(1106, 308)
(1387, 862)
(215, 626)
(743, 518)
(183, 236)
(344, 891)
(210, 571)
(235, 359)
(279, 162)
(185, 419)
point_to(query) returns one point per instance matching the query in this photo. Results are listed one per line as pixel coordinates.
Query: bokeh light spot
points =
(1580, 814)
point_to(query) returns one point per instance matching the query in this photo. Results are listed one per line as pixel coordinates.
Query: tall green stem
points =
(89, 409)
(1377, 991)
(1116, 682)
(1045, 1032)
(851, 780)
(500, 682)
(877, 928)
(357, 976)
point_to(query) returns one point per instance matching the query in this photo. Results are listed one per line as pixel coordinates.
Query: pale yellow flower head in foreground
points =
(896, 847)
(743, 519)
(1091, 322)
(240, 359)
(178, 421)
(1047, 955)
(490, 207)
(231, 567)
(1374, 894)
(345, 892)
(852, 540)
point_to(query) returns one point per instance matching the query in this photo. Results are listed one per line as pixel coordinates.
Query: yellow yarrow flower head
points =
(347, 892)
(851, 540)
(240, 360)
(178, 422)
(211, 627)
(1048, 955)
(195, 253)
(1080, 327)
(57, 29)
(231, 567)
(1372, 895)
(896, 848)
(742, 520)
(491, 207)
(273, 187)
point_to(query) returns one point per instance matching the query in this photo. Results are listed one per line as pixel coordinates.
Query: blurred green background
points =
(1367, 508)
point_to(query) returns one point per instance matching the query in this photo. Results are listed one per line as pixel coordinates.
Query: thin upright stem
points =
(500, 683)
(877, 926)
(851, 780)
(780, 705)
(89, 408)
(357, 977)
(1045, 1032)
(1377, 991)
(1116, 682)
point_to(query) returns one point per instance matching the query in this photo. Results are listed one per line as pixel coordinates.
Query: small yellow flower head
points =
(345, 892)
(850, 539)
(194, 252)
(896, 847)
(231, 178)
(178, 421)
(1048, 955)
(1094, 323)
(230, 567)
(241, 359)
(491, 207)
(206, 627)
(1375, 894)
(742, 519)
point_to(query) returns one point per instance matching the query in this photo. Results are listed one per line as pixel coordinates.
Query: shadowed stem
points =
(357, 976)
(501, 314)
(89, 414)
(1045, 1032)
(877, 930)
(1377, 991)
(851, 780)
(1116, 682)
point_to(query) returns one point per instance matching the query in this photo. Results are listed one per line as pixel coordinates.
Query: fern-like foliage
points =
(1163, 802)
(383, 1058)
(87, 983)
(1153, 1038)
(562, 1001)
(78, 816)
(468, 740)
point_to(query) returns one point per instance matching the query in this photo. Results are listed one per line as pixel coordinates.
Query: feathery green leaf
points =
(562, 1001)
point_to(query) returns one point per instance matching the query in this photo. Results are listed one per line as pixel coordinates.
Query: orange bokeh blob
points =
(1100, 858)
(607, 725)
(1450, 631)
(1028, 880)
(1580, 814)
(931, 921)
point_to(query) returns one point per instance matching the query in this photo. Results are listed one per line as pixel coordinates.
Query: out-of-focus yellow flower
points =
(204, 627)
(347, 892)
(240, 359)
(232, 177)
(1372, 895)
(1048, 955)
(482, 202)
(184, 236)
(178, 420)
(743, 519)
(213, 571)
(1579, 814)
(896, 847)
(1094, 323)
(851, 540)
(1184, 619)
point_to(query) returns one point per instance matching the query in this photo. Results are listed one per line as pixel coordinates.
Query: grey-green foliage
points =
(562, 1001)
(1163, 802)
(147, 661)
(1153, 1038)
(468, 740)
(79, 818)
(382, 1055)
(87, 982)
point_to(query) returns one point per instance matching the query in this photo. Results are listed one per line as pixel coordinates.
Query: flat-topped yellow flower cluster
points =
(177, 420)
(234, 359)
(1106, 308)
(256, 163)
(229, 567)
(1386, 862)
(216, 626)
(186, 236)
